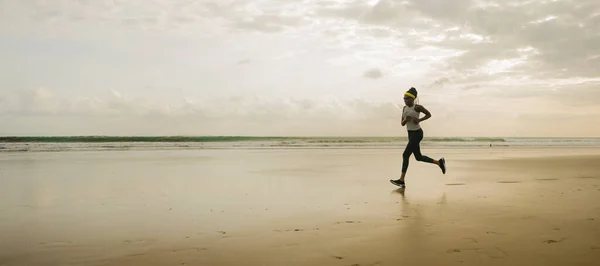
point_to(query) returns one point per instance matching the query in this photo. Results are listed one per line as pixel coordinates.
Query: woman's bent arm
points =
(422, 109)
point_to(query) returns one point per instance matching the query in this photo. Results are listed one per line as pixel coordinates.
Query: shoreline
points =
(138, 146)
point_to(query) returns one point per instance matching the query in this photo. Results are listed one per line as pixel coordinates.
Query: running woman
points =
(410, 119)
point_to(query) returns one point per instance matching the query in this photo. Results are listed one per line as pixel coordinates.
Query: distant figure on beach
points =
(410, 119)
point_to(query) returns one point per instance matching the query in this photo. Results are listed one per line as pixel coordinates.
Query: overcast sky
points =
(298, 67)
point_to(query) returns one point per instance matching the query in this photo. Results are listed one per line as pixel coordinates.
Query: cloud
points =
(581, 93)
(541, 39)
(200, 17)
(266, 23)
(383, 12)
(42, 101)
(244, 62)
(439, 82)
(117, 113)
(532, 56)
(374, 73)
(563, 46)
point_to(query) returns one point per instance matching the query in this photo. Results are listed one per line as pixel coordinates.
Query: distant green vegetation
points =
(467, 139)
(65, 139)
(139, 139)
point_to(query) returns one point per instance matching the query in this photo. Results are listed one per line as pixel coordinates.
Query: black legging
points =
(414, 138)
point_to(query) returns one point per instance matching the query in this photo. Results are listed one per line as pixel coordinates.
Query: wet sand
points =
(499, 206)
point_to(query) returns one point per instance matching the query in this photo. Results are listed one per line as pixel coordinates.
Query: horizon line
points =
(281, 136)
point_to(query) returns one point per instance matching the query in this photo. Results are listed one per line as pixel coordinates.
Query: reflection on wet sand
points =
(296, 207)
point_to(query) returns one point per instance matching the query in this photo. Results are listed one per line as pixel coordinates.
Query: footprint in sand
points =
(587, 177)
(472, 239)
(55, 244)
(136, 254)
(551, 241)
(546, 179)
(190, 249)
(294, 230)
(349, 222)
(453, 250)
(372, 264)
(140, 242)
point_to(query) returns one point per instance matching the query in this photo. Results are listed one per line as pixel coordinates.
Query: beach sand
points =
(495, 206)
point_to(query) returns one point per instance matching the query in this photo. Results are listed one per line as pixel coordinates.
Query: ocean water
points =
(91, 143)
